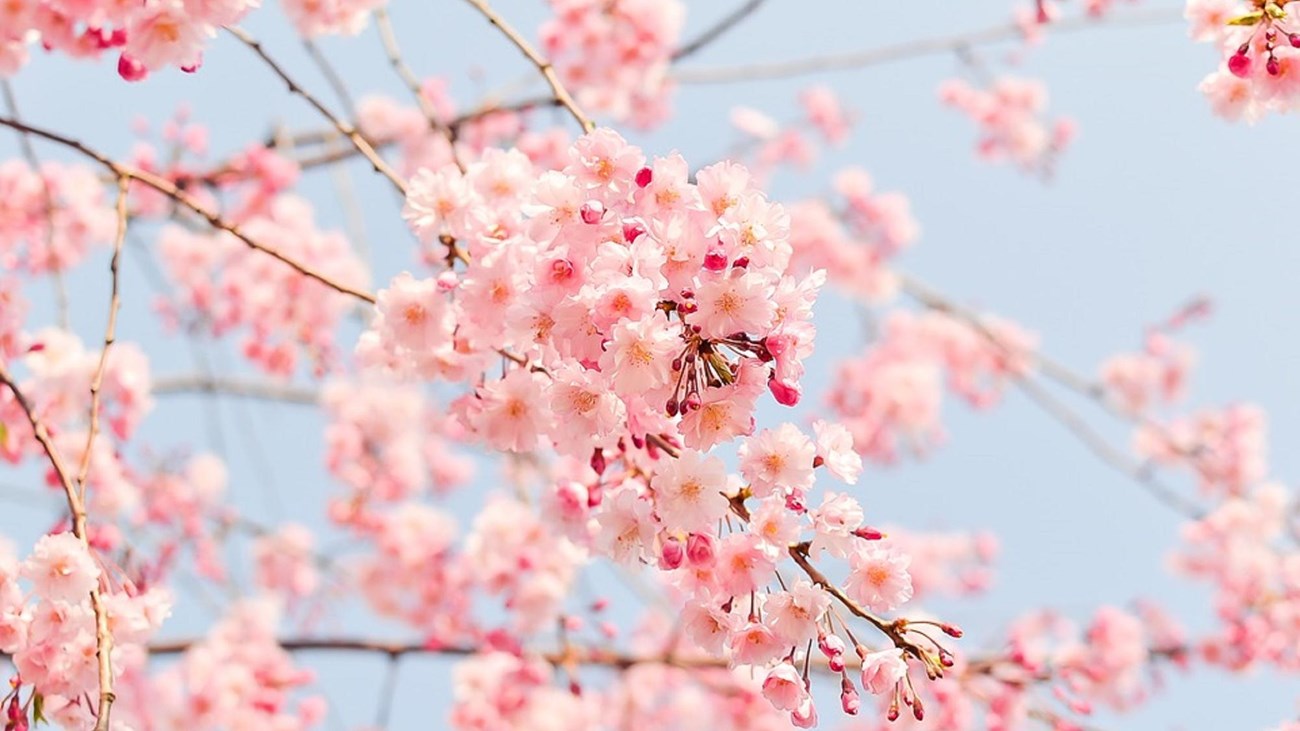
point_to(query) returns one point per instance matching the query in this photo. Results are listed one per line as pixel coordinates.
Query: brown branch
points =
(712, 33)
(388, 38)
(77, 513)
(234, 386)
(544, 67)
(910, 49)
(170, 190)
(347, 130)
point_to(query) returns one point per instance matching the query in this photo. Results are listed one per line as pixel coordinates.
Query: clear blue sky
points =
(1157, 201)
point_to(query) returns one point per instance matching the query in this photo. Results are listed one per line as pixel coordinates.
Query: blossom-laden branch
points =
(544, 67)
(77, 514)
(170, 190)
(358, 140)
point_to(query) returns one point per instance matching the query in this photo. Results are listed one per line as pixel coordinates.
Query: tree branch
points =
(544, 67)
(909, 49)
(347, 130)
(168, 189)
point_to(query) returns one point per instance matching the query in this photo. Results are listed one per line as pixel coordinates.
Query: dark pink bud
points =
(785, 394)
(830, 645)
(868, 533)
(715, 260)
(1274, 68)
(643, 177)
(692, 403)
(598, 461)
(1239, 64)
(688, 293)
(741, 263)
(849, 699)
(1294, 39)
(192, 67)
(672, 554)
(951, 630)
(594, 496)
(130, 69)
(671, 407)
(918, 710)
(592, 212)
(699, 550)
(632, 230)
(836, 663)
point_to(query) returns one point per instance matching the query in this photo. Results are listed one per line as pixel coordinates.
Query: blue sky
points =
(1156, 202)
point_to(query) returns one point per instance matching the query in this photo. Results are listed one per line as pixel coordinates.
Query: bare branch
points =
(347, 130)
(388, 38)
(234, 386)
(911, 49)
(712, 33)
(543, 66)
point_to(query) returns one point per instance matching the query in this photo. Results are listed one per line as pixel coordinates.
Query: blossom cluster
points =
(1259, 45)
(1012, 127)
(615, 55)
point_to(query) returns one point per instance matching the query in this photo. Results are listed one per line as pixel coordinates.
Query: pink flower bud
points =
(447, 281)
(830, 645)
(130, 69)
(592, 211)
(643, 177)
(715, 260)
(672, 554)
(1239, 64)
(632, 230)
(785, 394)
(850, 701)
(700, 550)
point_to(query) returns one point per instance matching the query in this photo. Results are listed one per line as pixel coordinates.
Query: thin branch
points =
(911, 49)
(715, 31)
(347, 130)
(544, 67)
(332, 76)
(1139, 472)
(77, 512)
(168, 189)
(110, 333)
(234, 386)
(388, 38)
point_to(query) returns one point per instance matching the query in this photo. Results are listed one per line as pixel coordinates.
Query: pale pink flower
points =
(688, 492)
(882, 670)
(778, 461)
(60, 568)
(835, 448)
(878, 578)
(784, 687)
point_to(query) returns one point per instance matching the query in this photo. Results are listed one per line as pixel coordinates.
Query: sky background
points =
(1156, 202)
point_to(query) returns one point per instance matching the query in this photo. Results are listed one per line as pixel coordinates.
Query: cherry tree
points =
(577, 444)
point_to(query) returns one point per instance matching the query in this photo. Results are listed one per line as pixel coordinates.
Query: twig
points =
(332, 76)
(171, 191)
(77, 512)
(388, 38)
(110, 333)
(543, 66)
(1140, 473)
(712, 33)
(234, 386)
(909, 49)
(347, 130)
